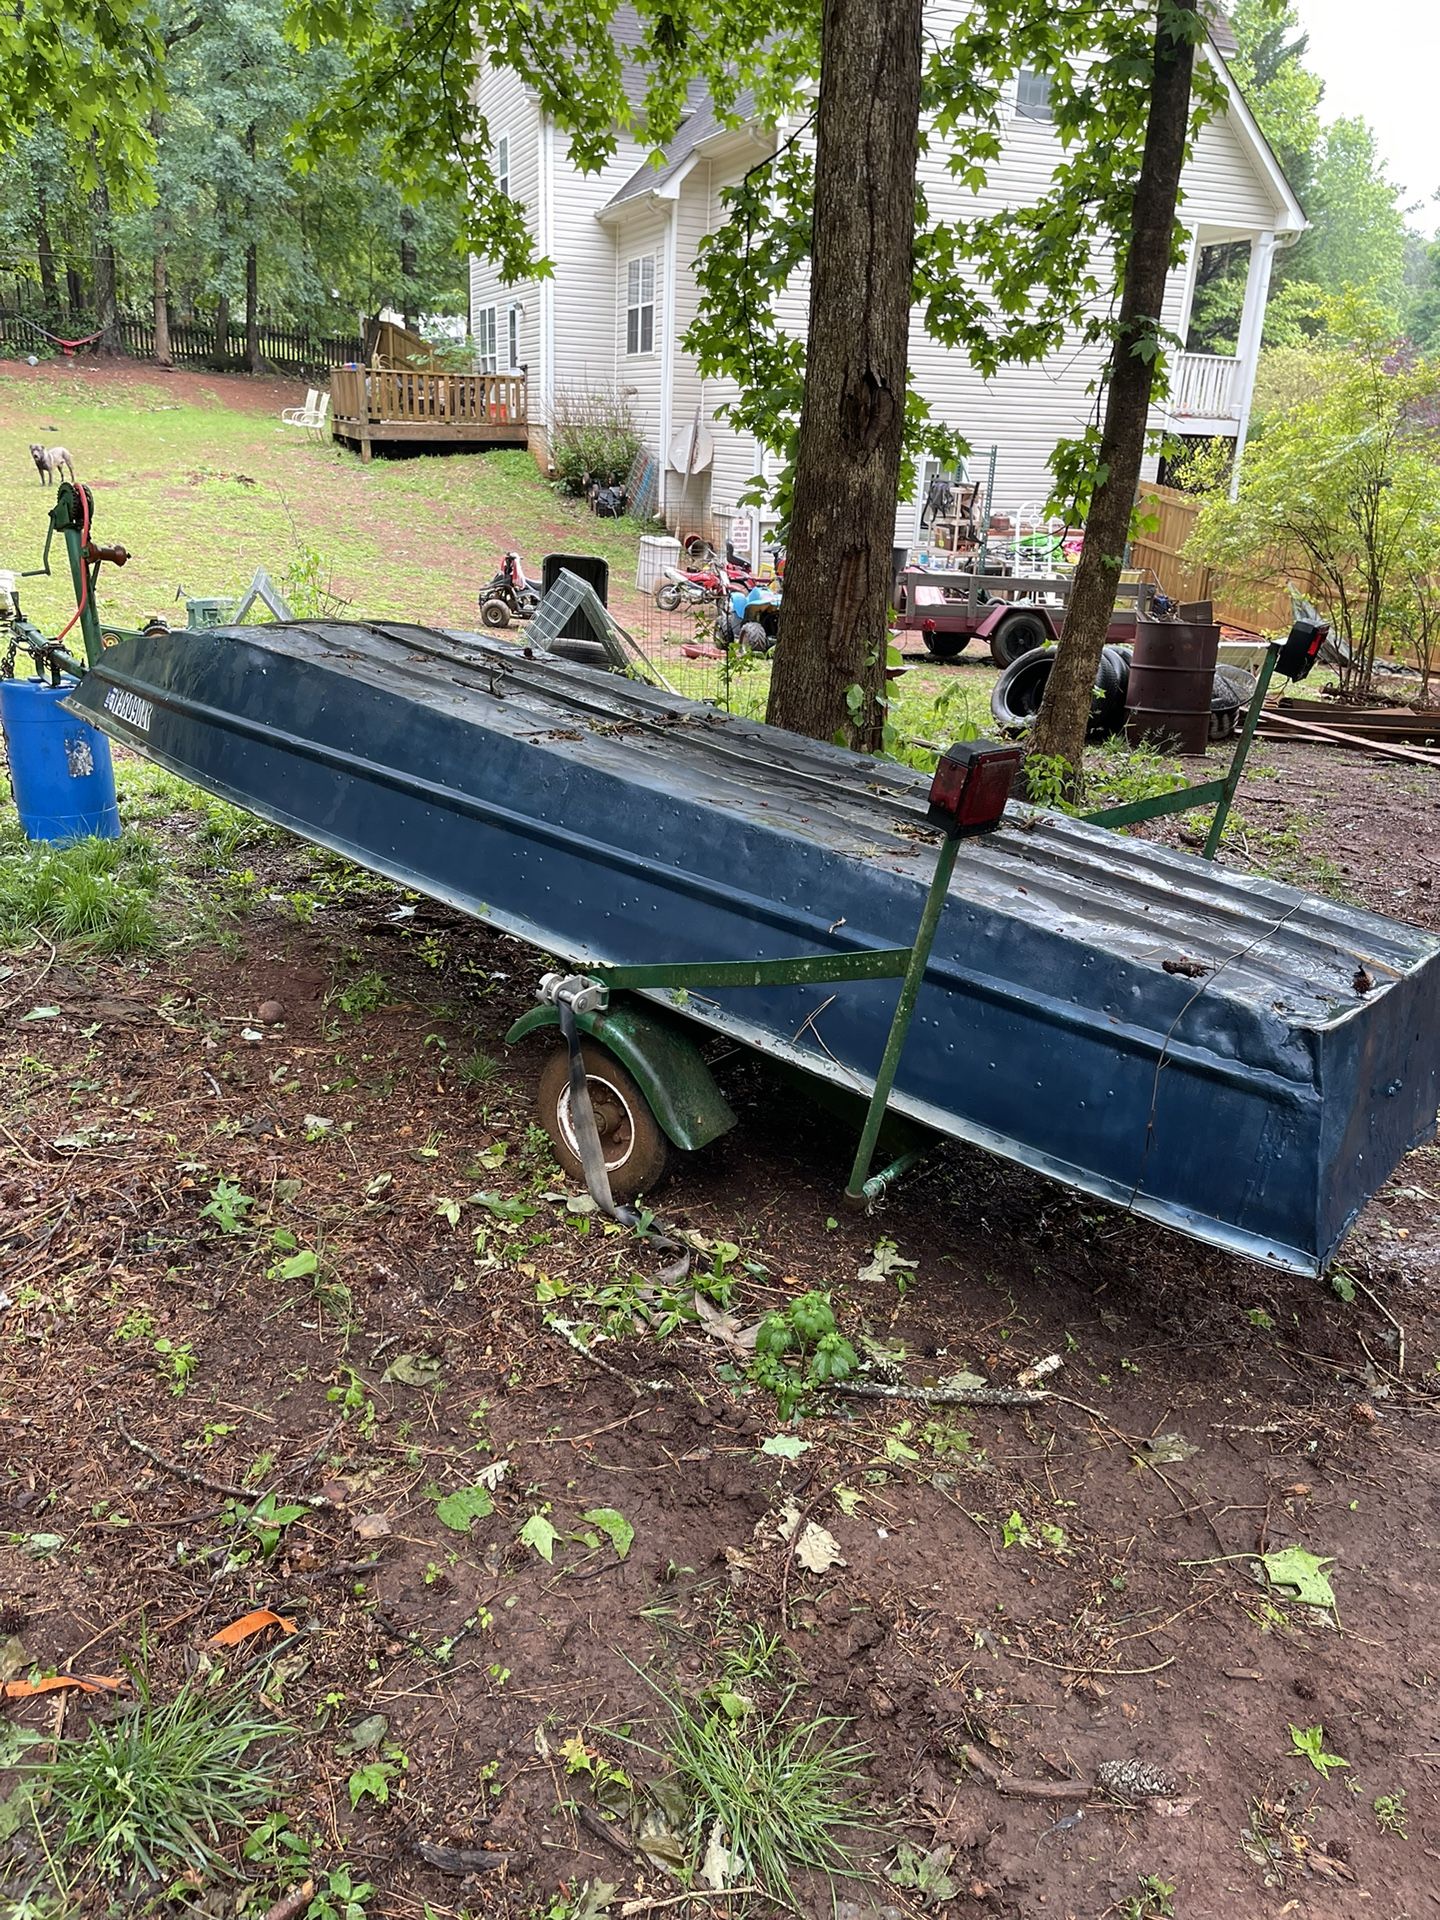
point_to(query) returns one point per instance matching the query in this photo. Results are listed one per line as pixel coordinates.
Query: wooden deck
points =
(374, 404)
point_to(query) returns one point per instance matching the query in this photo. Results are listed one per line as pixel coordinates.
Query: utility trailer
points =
(1012, 613)
(1231, 1057)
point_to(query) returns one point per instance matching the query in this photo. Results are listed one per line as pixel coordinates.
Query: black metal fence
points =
(193, 343)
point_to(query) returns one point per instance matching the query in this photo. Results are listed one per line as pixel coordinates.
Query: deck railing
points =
(1203, 386)
(397, 394)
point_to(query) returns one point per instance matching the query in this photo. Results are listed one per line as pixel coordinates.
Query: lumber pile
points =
(1393, 733)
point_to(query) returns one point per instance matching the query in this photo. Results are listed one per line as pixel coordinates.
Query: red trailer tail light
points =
(1301, 649)
(971, 785)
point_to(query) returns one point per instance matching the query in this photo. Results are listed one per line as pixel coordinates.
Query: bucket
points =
(1172, 677)
(60, 769)
(657, 551)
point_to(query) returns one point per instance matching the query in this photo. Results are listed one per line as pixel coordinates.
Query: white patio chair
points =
(302, 416)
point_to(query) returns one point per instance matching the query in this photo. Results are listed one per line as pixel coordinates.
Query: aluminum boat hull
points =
(1256, 1104)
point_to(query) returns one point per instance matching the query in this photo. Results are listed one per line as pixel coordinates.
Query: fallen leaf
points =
(1167, 1449)
(818, 1550)
(413, 1370)
(848, 1500)
(372, 1526)
(885, 1260)
(720, 1868)
(365, 1736)
(60, 1682)
(616, 1528)
(724, 1326)
(538, 1533)
(785, 1446)
(457, 1510)
(1298, 1568)
(13, 1657)
(248, 1624)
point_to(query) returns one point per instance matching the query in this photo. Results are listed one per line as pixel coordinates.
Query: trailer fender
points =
(1004, 610)
(665, 1062)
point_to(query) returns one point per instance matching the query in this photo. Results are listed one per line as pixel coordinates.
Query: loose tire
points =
(1020, 634)
(587, 653)
(1015, 698)
(667, 598)
(636, 1150)
(494, 613)
(945, 646)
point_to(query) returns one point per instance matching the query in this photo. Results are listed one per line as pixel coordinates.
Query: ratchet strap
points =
(592, 1154)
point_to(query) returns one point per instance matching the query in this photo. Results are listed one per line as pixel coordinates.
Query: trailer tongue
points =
(1234, 1058)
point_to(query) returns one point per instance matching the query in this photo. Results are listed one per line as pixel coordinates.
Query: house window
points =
(640, 305)
(1032, 95)
(512, 336)
(502, 163)
(485, 349)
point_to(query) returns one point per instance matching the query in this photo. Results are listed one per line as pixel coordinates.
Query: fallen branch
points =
(290, 1905)
(462, 1860)
(1017, 1789)
(250, 1495)
(947, 1396)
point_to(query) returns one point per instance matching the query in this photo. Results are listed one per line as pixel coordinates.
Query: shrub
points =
(593, 436)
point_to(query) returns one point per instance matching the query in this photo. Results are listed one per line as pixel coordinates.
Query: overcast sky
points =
(1380, 60)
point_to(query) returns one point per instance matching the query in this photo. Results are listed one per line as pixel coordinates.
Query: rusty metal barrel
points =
(1172, 674)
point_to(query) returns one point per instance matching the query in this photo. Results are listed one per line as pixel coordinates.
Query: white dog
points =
(50, 461)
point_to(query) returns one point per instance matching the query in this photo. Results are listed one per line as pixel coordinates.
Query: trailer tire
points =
(494, 613)
(1018, 635)
(945, 646)
(636, 1150)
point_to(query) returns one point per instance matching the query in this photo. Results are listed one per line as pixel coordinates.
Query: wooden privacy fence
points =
(193, 343)
(1260, 605)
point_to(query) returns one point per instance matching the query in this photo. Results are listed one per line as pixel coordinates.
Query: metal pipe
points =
(900, 1026)
(1237, 764)
(887, 1176)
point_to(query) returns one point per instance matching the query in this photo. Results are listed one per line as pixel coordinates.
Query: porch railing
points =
(1203, 386)
(397, 394)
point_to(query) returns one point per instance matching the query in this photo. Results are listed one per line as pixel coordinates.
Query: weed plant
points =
(152, 1793)
(99, 894)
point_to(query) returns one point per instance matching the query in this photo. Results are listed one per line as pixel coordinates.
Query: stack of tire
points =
(1016, 696)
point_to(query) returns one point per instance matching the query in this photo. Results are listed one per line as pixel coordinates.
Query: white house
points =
(623, 246)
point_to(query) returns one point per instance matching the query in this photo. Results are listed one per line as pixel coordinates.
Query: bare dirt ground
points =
(1024, 1596)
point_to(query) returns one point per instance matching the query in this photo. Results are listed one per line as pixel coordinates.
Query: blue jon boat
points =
(1232, 1057)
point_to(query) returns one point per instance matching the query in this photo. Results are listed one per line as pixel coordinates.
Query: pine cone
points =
(1135, 1780)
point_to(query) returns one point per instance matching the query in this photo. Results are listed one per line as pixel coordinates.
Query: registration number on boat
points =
(129, 707)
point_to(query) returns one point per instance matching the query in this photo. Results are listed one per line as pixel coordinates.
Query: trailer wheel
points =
(636, 1150)
(946, 646)
(494, 613)
(1020, 634)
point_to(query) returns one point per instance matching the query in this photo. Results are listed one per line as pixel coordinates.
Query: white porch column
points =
(1247, 349)
(669, 310)
(1187, 297)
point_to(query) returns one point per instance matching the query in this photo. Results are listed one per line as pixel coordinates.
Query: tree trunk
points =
(829, 672)
(1064, 713)
(408, 261)
(163, 355)
(253, 361)
(222, 330)
(45, 251)
(107, 300)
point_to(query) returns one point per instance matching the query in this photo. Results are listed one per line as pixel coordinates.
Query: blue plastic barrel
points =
(60, 767)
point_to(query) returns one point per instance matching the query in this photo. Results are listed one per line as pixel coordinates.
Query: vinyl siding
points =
(511, 113)
(584, 253)
(642, 234)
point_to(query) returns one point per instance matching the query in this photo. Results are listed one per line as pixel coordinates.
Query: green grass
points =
(155, 1791)
(194, 474)
(783, 1792)
(98, 894)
